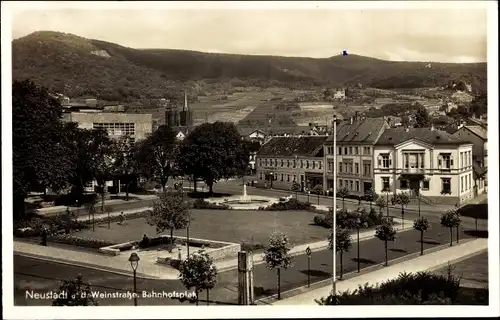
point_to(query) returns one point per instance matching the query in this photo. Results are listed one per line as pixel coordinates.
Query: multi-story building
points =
(434, 162)
(284, 160)
(355, 141)
(478, 136)
(117, 124)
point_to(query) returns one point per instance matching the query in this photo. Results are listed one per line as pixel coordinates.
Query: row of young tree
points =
(51, 153)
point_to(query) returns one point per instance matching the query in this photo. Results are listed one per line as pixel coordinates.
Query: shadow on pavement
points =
(363, 260)
(398, 250)
(431, 242)
(477, 234)
(479, 211)
(204, 195)
(316, 273)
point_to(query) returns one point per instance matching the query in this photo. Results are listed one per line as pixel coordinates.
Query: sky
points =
(440, 35)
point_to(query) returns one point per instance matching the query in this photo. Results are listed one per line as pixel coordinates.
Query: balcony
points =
(413, 171)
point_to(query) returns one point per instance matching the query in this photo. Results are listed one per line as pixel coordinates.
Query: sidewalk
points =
(112, 214)
(428, 262)
(229, 264)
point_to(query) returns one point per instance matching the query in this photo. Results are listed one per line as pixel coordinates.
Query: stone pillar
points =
(245, 278)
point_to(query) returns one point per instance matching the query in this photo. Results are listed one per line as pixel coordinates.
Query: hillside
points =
(77, 66)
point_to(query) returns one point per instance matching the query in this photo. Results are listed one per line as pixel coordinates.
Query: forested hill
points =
(77, 66)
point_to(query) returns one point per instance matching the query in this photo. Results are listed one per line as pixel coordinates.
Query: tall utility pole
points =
(334, 224)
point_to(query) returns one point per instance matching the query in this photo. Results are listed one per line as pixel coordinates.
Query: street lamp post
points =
(134, 262)
(358, 224)
(334, 222)
(387, 201)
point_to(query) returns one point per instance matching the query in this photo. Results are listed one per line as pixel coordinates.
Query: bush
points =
(202, 204)
(346, 219)
(417, 288)
(33, 226)
(80, 242)
(292, 204)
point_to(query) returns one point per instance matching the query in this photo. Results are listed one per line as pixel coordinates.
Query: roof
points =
(289, 130)
(246, 131)
(292, 146)
(478, 131)
(478, 171)
(364, 131)
(395, 136)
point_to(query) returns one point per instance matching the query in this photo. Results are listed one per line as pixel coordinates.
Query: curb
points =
(316, 285)
(86, 265)
(319, 248)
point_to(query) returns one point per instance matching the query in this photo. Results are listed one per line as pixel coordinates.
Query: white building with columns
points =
(434, 162)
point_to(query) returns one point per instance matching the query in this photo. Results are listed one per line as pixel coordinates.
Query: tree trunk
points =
(210, 187)
(279, 283)
(421, 242)
(318, 199)
(451, 237)
(341, 264)
(385, 247)
(194, 183)
(126, 192)
(208, 297)
(196, 293)
(370, 205)
(172, 237)
(343, 204)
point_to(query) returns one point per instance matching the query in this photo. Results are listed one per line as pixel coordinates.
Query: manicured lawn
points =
(473, 271)
(224, 225)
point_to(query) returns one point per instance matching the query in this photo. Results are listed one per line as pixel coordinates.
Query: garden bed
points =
(203, 204)
(216, 249)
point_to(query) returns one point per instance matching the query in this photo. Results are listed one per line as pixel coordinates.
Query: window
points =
(357, 167)
(425, 185)
(314, 165)
(366, 151)
(350, 168)
(260, 177)
(340, 150)
(366, 169)
(282, 177)
(384, 161)
(346, 168)
(117, 129)
(356, 151)
(260, 162)
(340, 183)
(302, 163)
(350, 185)
(340, 166)
(462, 164)
(446, 185)
(350, 150)
(294, 178)
(461, 184)
(470, 180)
(403, 184)
(445, 161)
(330, 166)
(319, 165)
(266, 162)
(345, 150)
(288, 177)
(288, 163)
(282, 162)
(357, 185)
(295, 163)
(307, 164)
(385, 183)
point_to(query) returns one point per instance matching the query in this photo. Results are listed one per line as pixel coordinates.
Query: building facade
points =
(355, 141)
(478, 136)
(137, 126)
(432, 162)
(284, 160)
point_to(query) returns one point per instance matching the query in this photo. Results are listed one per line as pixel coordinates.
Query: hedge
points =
(292, 204)
(407, 289)
(346, 219)
(78, 241)
(202, 204)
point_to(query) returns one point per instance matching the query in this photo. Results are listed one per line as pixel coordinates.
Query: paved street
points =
(41, 275)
